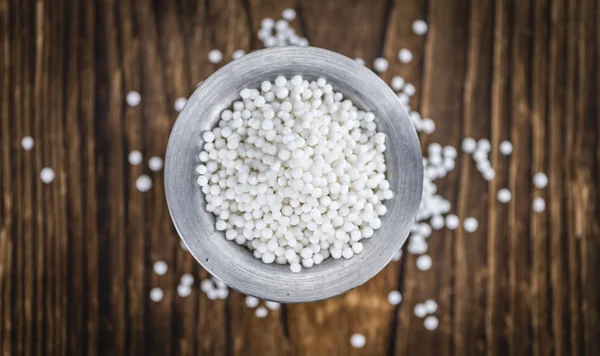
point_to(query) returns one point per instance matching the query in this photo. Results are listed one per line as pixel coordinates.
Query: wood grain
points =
(76, 255)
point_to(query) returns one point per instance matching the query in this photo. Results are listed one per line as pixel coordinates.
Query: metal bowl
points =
(234, 264)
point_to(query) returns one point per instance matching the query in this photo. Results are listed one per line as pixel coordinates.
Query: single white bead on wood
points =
(358, 341)
(540, 180)
(380, 65)
(419, 27)
(405, 56)
(215, 56)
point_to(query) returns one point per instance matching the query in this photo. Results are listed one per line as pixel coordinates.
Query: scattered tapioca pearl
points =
(360, 61)
(380, 65)
(417, 245)
(431, 306)
(506, 148)
(431, 323)
(452, 222)
(214, 288)
(160, 267)
(394, 297)
(424, 262)
(289, 14)
(420, 310)
(469, 145)
(215, 56)
(397, 256)
(133, 98)
(358, 341)
(437, 222)
(180, 104)
(539, 205)
(143, 183)
(184, 290)
(405, 56)
(251, 302)
(410, 90)
(419, 27)
(237, 54)
(504, 195)
(155, 163)
(261, 312)
(540, 180)
(272, 305)
(156, 294)
(397, 83)
(47, 175)
(27, 143)
(135, 157)
(470, 224)
(187, 279)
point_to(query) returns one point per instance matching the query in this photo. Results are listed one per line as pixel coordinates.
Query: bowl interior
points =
(235, 264)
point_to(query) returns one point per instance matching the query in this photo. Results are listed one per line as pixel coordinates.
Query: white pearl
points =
(380, 65)
(540, 180)
(424, 262)
(160, 267)
(27, 143)
(47, 175)
(180, 104)
(156, 294)
(506, 148)
(470, 224)
(135, 157)
(357, 341)
(504, 195)
(215, 56)
(133, 98)
(394, 297)
(431, 322)
(539, 205)
(405, 56)
(155, 163)
(419, 27)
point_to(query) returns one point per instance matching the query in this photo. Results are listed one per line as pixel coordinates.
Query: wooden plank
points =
(40, 87)
(556, 177)
(137, 288)
(87, 44)
(75, 198)
(163, 240)
(474, 193)
(6, 182)
(539, 233)
(585, 191)
(59, 239)
(573, 243)
(111, 180)
(519, 337)
(497, 291)
(19, 239)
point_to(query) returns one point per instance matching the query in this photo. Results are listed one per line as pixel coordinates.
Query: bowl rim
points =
(240, 278)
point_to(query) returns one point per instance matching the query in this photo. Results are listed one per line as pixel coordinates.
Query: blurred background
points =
(78, 242)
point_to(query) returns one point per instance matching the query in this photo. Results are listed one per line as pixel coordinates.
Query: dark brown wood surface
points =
(76, 254)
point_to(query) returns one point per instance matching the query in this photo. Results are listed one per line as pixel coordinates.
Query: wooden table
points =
(76, 254)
